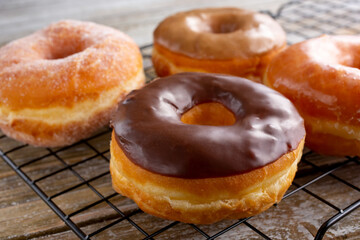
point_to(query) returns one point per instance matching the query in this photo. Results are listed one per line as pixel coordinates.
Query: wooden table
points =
(24, 215)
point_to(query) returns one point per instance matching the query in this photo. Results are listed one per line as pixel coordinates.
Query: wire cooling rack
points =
(325, 190)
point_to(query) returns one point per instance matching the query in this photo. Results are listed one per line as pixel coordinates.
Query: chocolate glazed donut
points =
(150, 138)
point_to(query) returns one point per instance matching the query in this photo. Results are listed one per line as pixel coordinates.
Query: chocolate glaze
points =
(149, 130)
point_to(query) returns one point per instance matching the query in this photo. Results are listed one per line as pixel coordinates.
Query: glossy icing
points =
(149, 130)
(220, 33)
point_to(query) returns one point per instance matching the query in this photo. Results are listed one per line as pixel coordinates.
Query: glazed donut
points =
(321, 77)
(197, 148)
(62, 83)
(217, 40)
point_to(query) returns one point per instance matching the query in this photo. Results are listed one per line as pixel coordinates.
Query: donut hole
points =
(349, 60)
(213, 114)
(217, 25)
(226, 24)
(65, 51)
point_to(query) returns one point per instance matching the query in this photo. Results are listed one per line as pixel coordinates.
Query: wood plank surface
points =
(23, 215)
(137, 18)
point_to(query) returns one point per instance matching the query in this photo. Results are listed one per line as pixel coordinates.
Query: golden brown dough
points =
(321, 77)
(62, 83)
(203, 201)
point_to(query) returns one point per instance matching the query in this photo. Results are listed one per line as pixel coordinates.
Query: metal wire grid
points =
(307, 18)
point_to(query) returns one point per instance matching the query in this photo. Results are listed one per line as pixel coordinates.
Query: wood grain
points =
(137, 18)
(301, 213)
(24, 216)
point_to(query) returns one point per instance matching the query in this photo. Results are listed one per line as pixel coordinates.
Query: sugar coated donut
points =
(218, 40)
(200, 147)
(62, 83)
(321, 77)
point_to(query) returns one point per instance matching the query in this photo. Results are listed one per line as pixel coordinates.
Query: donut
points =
(217, 40)
(198, 147)
(60, 84)
(321, 77)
